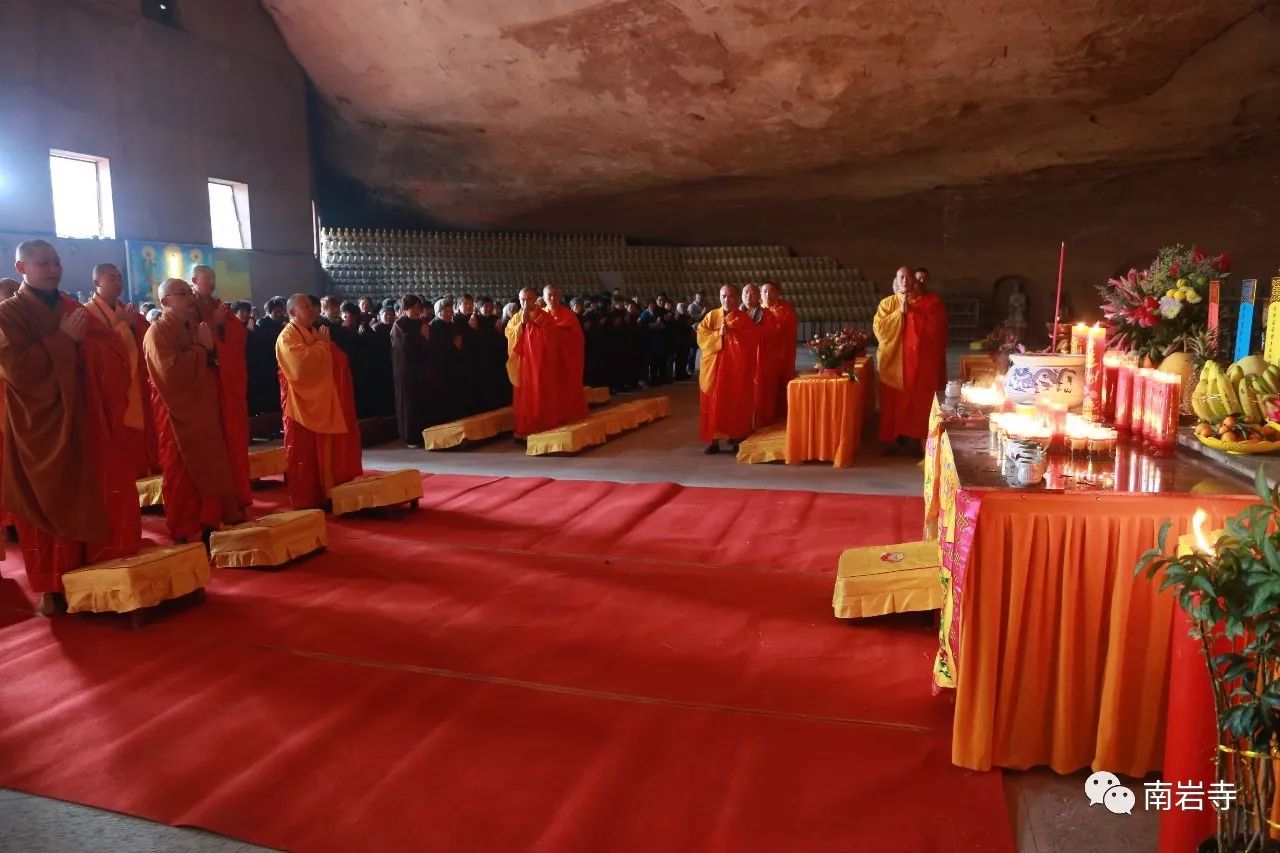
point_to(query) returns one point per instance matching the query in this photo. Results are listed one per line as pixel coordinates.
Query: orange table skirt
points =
(1064, 654)
(824, 416)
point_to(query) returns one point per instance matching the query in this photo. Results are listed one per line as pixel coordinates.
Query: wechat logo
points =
(1105, 788)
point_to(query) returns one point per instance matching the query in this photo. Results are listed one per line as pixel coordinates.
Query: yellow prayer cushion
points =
(268, 462)
(473, 428)
(377, 490)
(596, 396)
(147, 578)
(888, 579)
(271, 540)
(150, 491)
(764, 445)
(570, 438)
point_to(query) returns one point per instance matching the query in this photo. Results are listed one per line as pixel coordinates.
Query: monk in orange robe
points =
(199, 493)
(321, 439)
(230, 340)
(56, 507)
(545, 349)
(766, 385)
(730, 344)
(911, 332)
(784, 342)
(113, 412)
(8, 287)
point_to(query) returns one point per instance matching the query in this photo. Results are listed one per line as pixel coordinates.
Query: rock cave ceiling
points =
(470, 113)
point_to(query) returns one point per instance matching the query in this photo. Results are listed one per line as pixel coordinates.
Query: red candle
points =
(1124, 395)
(1137, 422)
(1110, 381)
(1095, 351)
(1057, 300)
(1079, 335)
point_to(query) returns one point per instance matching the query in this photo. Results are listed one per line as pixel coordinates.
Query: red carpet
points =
(525, 664)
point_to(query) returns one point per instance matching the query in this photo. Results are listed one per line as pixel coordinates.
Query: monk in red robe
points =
(230, 340)
(199, 493)
(8, 287)
(783, 347)
(321, 439)
(113, 412)
(911, 332)
(48, 481)
(730, 343)
(545, 350)
(766, 385)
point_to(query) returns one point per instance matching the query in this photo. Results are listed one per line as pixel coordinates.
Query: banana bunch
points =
(1236, 393)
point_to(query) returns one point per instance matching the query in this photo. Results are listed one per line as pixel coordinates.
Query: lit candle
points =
(1079, 336)
(1095, 351)
(1111, 364)
(1151, 403)
(1137, 421)
(1124, 394)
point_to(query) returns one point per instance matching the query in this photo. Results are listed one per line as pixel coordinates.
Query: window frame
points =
(240, 202)
(102, 194)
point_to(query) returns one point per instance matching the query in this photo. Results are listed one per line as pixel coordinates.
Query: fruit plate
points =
(1240, 448)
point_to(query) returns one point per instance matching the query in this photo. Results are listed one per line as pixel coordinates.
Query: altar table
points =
(824, 416)
(1059, 656)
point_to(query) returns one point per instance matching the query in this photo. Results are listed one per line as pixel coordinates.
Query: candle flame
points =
(1197, 526)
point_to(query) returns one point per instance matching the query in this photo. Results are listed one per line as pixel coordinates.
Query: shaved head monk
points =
(56, 507)
(108, 285)
(230, 342)
(729, 342)
(782, 349)
(766, 409)
(199, 494)
(114, 412)
(321, 439)
(545, 348)
(911, 330)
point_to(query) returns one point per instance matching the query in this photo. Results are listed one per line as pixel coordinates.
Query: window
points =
(229, 214)
(81, 195)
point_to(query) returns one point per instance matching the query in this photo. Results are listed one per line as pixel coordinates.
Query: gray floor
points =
(1050, 813)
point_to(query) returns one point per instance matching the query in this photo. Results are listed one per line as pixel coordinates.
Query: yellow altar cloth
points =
(764, 445)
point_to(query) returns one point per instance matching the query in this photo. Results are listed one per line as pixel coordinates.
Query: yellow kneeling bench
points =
(378, 490)
(888, 579)
(144, 580)
(271, 540)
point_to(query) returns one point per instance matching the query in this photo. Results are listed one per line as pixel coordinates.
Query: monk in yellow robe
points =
(48, 481)
(730, 344)
(321, 438)
(911, 333)
(199, 492)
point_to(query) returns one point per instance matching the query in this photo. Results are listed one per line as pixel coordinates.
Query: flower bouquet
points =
(1164, 308)
(999, 343)
(836, 351)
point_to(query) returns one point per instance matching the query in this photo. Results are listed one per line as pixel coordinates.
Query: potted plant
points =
(837, 351)
(1232, 595)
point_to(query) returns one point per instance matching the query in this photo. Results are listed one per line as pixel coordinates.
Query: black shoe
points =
(712, 449)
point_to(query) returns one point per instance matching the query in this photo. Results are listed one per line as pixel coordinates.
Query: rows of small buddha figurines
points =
(370, 262)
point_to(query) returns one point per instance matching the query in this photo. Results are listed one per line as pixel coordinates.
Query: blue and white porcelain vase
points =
(1058, 377)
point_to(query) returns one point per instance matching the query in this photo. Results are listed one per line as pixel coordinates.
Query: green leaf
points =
(1260, 484)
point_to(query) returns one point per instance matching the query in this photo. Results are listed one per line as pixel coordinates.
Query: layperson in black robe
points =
(493, 386)
(468, 391)
(260, 358)
(595, 358)
(410, 372)
(446, 366)
(376, 339)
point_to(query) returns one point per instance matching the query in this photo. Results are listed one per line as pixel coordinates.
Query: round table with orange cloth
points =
(1057, 654)
(824, 416)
